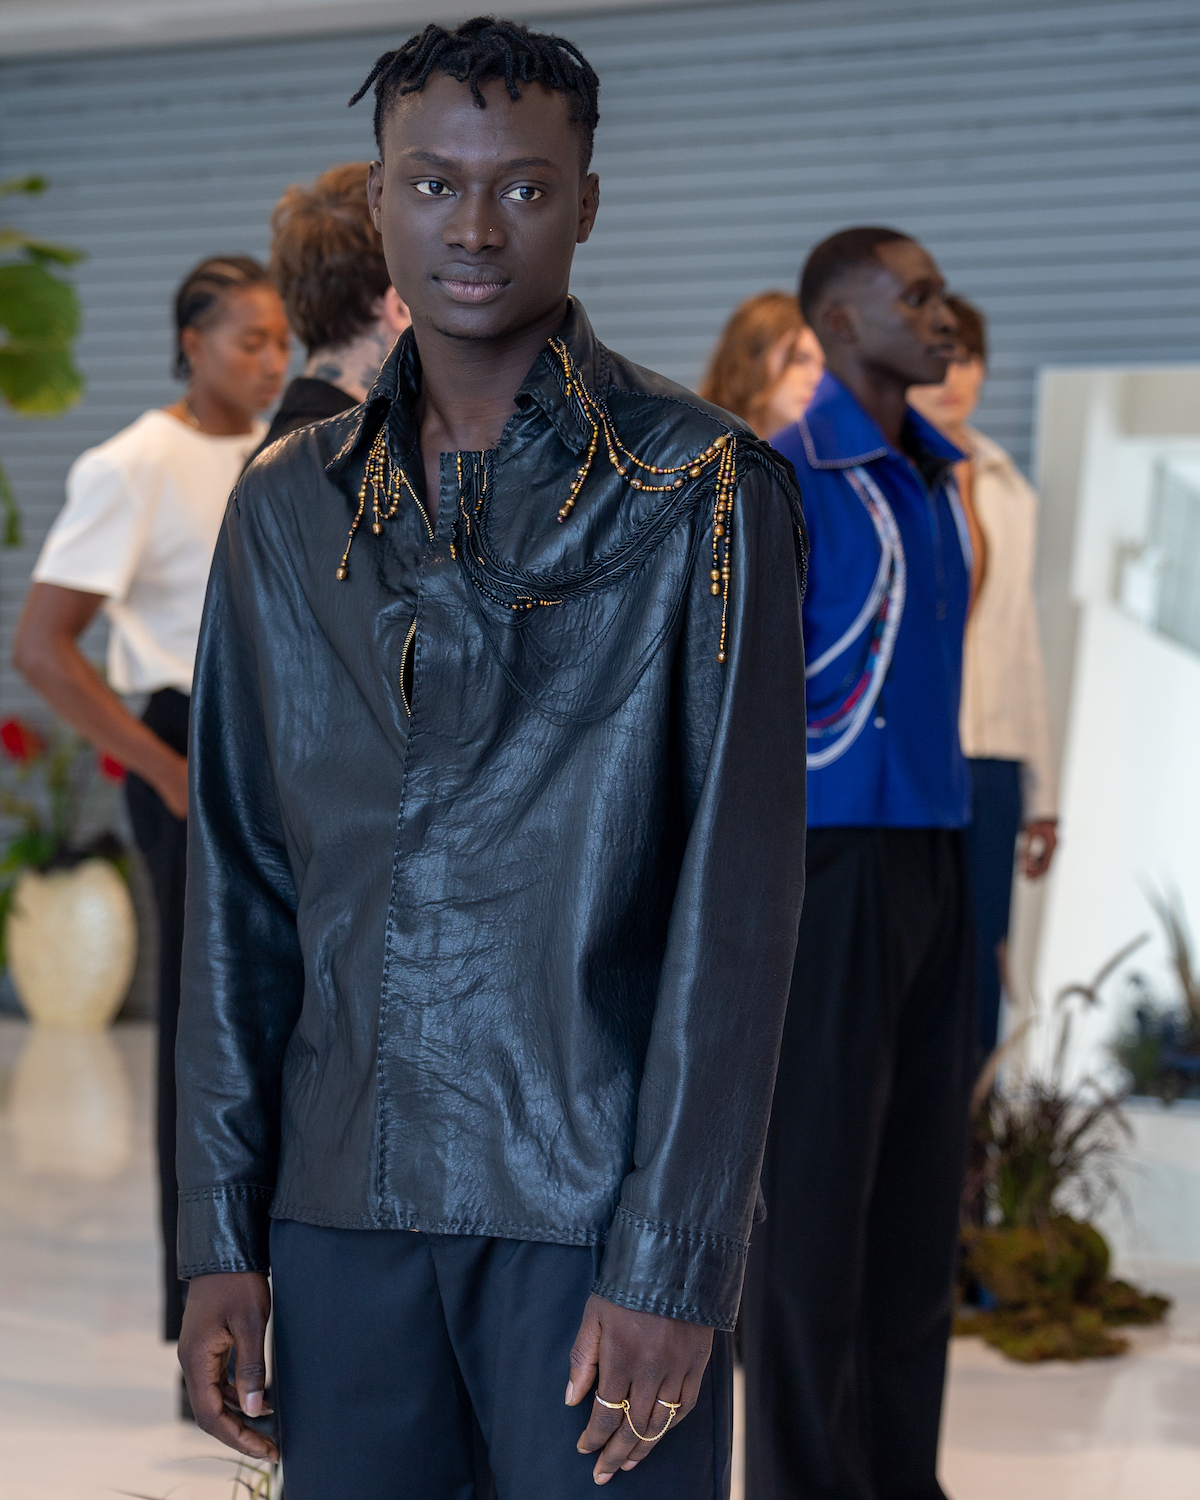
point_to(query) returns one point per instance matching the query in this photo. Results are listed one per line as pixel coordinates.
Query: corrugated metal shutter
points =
(1045, 150)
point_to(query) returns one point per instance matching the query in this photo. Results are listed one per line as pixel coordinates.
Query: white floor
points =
(87, 1392)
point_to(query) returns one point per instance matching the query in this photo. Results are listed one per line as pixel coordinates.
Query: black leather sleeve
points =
(243, 976)
(677, 1244)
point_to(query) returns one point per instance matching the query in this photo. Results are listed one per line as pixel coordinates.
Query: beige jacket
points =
(1005, 714)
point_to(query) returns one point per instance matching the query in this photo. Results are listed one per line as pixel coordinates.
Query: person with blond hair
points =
(766, 365)
(327, 261)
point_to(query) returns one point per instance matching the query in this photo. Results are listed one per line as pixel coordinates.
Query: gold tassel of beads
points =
(385, 484)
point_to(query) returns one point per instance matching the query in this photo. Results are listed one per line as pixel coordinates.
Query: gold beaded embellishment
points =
(384, 484)
(386, 489)
(722, 451)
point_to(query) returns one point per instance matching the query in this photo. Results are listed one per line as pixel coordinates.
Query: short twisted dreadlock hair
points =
(478, 51)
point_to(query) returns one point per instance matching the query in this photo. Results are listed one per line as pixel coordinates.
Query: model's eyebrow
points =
(447, 164)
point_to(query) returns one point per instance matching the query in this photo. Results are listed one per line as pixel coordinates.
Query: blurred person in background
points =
(848, 1297)
(135, 539)
(327, 261)
(766, 365)
(1005, 718)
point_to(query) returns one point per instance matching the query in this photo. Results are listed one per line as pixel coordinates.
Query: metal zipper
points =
(408, 640)
(424, 513)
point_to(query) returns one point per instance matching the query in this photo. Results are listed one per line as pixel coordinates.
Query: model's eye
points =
(523, 194)
(432, 188)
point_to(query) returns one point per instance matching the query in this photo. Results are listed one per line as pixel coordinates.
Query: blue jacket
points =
(889, 581)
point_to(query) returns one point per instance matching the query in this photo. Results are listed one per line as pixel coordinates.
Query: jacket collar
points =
(838, 434)
(398, 385)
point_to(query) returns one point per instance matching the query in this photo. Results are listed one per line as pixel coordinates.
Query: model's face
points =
(481, 209)
(796, 366)
(242, 358)
(894, 316)
(950, 404)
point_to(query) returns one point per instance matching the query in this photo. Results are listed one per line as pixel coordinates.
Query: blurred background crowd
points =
(194, 185)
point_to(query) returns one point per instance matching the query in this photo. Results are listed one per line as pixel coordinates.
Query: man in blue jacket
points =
(848, 1293)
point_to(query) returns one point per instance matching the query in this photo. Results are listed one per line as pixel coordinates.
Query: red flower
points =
(109, 767)
(21, 741)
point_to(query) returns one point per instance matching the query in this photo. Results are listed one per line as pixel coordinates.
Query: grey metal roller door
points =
(1047, 152)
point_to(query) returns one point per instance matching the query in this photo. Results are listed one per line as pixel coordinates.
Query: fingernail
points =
(253, 1404)
(601, 1478)
(570, 1391)
(632, 1464)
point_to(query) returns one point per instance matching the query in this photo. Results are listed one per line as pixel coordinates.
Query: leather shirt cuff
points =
(223, 1229)
(673, 1271)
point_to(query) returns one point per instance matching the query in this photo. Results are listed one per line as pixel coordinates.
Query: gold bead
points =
(714, 589)
(376, 528)
(714, 575)
(721, 656)
(718, 530)
(719, 442)
(695, 471)
(341, 575)
(678, 485)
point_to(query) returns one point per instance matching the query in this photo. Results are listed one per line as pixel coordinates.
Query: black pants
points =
(991, 847)
(162, 839)
(846, 1312)
(433, 1367)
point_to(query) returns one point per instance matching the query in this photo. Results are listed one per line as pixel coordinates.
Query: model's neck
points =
(469, 386)
(880, 393)
(211, 413)
(352, 367)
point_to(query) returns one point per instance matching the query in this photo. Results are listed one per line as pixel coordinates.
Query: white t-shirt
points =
(140, 525)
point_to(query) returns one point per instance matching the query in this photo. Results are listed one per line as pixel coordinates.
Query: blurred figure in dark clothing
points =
(327, 261)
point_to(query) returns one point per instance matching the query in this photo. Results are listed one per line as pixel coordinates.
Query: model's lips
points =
(467, 285)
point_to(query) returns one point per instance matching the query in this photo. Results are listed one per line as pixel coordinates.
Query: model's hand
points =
(172, 786)
(228, 1311)
(1039, 841)
(640, 1358)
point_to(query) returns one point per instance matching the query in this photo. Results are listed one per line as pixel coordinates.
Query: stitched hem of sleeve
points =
(663, 1306)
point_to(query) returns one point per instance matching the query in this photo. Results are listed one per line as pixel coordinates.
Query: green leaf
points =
(36, 304)
(38, 378)
(9, 512)
(34, 183)
(15, 240)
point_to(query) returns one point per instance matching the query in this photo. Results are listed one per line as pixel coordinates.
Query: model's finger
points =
(250, 1371)
(604, 1421)
(669, 1411)
(585, 1354)
(206, 1383)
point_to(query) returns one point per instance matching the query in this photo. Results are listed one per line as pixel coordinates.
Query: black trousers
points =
(162, 839)
(433, 1367)
(847, 1305)
(991, 848)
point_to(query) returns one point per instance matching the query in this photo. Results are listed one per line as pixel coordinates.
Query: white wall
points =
(1131, 762)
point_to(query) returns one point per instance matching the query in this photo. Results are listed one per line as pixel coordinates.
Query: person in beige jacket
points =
(1004, 718)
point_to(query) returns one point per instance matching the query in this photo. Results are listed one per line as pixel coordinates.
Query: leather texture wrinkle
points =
(509, 958)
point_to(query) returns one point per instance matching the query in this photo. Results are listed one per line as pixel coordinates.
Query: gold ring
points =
(672, 1408)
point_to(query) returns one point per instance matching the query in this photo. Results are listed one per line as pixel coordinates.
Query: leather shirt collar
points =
(399, 382)
(838, 434)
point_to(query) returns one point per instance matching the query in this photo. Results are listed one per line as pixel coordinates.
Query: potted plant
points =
(1158, 1043)
(67, 929)
(1042, 1164)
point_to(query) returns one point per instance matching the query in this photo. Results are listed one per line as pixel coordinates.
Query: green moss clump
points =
(1053, 1294)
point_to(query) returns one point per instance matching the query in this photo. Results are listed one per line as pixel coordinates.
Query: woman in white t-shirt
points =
(136, 539)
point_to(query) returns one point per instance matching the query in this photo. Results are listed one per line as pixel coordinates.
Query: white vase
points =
(71, 942)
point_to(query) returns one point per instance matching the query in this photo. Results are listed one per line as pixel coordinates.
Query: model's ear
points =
(589, 206)
(375, 192)
(836, 322)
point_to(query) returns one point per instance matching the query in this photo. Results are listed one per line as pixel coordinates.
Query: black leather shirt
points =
(491, 911)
